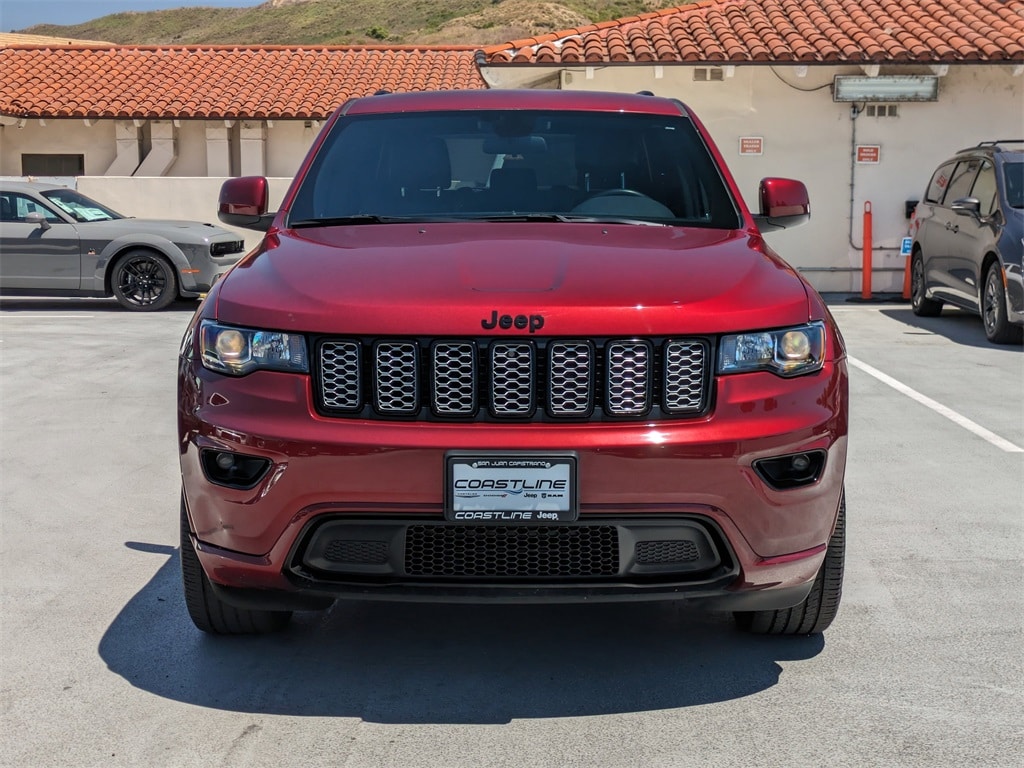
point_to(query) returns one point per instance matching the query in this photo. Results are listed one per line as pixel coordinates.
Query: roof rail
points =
(996, 143)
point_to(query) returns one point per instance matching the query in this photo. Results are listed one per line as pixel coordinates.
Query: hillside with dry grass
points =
(352, 22)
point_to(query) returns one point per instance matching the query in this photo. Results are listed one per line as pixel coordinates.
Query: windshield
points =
(79, 207)
(1013, 174)
(511, 165)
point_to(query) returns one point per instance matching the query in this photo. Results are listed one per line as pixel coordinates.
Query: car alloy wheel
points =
(998, 328)
(922, 306)
(143, 282)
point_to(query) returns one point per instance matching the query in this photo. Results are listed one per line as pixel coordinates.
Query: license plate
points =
(511, 488)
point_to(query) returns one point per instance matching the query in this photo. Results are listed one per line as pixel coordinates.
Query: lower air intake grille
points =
(660, 552)
(357, 552)
(559, 552)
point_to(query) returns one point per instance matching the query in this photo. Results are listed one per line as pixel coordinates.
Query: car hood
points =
(457, 278)
(175, 231)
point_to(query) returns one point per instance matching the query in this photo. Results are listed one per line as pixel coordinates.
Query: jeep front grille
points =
(513, 380)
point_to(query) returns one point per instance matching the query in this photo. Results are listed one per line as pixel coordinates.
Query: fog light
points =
(233, 470)
(793, 471)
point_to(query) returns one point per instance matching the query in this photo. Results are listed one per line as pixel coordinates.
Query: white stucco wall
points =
(59, 137)
(809, 137)
(285, 144)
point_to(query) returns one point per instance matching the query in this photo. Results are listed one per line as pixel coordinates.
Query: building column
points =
(253, 149)
(163, 149)
(218, 149)
(126, 134)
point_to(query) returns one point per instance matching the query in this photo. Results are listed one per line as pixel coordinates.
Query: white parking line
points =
(18, 316)
(939, 408)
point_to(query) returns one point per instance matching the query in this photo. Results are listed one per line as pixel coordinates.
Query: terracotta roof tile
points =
(220, 81)
(811, 31)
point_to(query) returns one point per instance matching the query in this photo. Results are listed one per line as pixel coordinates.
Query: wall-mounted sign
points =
(869, 154)
(751, 145)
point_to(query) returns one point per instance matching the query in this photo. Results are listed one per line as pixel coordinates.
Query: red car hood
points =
(449, 278)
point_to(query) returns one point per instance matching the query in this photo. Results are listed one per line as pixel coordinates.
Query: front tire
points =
(998, 329)
(921, 304)
(143, 281)
(208, 612)
(819, 608)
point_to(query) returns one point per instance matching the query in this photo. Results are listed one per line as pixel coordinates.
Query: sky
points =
(19, 14)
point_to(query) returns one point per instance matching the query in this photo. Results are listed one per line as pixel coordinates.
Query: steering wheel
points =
(617, 192)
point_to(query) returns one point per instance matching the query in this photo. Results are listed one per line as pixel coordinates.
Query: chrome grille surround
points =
(454, 376)
(628, 378)
(396, 377)
(341, 375)
(684, 367)
(571, 378)
(513, 380)
(513, 366)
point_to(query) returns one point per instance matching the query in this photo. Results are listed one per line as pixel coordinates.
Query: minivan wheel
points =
(143, 281)
(998, 329)
(819, 608)
(922, 306)
(208, 612)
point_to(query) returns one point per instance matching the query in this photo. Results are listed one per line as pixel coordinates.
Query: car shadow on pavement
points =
(957, 325)
(425, 663)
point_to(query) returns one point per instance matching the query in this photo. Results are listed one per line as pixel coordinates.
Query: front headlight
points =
(238, 351)
(786, 352)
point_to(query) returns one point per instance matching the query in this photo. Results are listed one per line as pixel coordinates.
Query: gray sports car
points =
(55, 241)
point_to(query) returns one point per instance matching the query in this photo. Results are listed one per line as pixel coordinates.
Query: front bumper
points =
(686, 479)
(203, 269)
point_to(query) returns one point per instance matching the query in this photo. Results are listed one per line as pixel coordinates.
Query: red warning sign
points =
(751, 145)
(869, 153)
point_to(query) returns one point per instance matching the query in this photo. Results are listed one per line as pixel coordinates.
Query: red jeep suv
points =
(519, 346)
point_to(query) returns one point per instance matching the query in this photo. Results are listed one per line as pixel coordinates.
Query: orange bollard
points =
(865, 283)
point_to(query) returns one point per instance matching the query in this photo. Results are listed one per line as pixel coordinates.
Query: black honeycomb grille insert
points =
(662, 552)
(521, 551)
(357, 552)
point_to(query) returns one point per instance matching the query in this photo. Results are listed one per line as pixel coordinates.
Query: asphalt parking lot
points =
(102, 667)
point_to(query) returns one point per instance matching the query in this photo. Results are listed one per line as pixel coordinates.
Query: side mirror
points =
(243, 203)
(38, 219)
(784, 204)
(967, 206)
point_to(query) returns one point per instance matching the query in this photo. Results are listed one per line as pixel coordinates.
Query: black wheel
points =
(819, 608)
(143, 281)
(922, 306)
(211, 614)
(998, 329)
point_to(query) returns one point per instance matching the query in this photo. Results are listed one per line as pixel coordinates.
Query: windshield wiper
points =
(520, 217)
(341, 221)
(569, 218)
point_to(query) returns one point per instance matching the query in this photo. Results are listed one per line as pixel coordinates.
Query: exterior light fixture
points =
(885, 88)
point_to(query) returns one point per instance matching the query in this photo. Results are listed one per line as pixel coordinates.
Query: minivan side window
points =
(939, 182)
(962, 180)
(985, 189)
